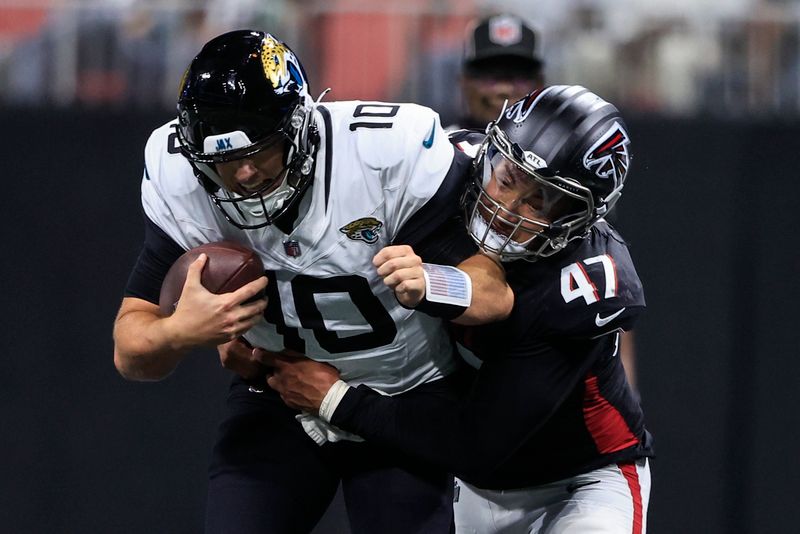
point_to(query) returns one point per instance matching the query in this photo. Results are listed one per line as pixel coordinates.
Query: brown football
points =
(229, 267)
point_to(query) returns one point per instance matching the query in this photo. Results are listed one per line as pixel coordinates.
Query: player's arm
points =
(142, 348)
(492, 298)
(148, 346)
(510, 400)
(469, 435)
(627, 353)
(479, 277)
(435, 234)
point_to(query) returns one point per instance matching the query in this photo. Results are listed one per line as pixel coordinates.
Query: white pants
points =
(609, 500)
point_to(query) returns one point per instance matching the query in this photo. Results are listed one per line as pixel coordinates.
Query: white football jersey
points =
(377, 164)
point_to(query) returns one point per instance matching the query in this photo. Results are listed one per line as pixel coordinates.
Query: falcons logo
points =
(608, 157)
(521, 109)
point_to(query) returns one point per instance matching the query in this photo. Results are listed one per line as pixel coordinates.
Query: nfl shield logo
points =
(505, 30)
(292, 248)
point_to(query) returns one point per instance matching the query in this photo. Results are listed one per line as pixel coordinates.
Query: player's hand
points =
(401, 270)
(203, 318)
(241, 358)
(301, 382)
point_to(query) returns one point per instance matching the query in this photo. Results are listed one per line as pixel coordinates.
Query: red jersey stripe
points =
(606, 425)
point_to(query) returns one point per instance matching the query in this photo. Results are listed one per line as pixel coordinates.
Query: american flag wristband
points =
(448, 291)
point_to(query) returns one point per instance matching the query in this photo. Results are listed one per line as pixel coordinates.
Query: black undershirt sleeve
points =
(436, 231)
(510, 399)
(158, 254)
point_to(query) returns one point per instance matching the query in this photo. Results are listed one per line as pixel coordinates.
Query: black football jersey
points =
(589, 290)
(550, 399)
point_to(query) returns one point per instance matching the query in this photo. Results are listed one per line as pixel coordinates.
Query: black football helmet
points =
(567, 144)
(244, 92)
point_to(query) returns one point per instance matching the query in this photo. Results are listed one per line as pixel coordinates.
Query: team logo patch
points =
(280, 65)
(366, 229)
(609, 157)
(292, 248)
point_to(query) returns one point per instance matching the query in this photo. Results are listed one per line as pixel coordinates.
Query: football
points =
(229, 267)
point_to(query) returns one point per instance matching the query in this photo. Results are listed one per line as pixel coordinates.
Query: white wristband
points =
(332, 400)
(447, 285)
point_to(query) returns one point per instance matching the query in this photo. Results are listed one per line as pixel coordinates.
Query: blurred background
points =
(711, 91)
(730, 58)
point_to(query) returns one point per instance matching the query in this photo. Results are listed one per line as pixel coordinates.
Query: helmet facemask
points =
(516, 208)
(255, 209)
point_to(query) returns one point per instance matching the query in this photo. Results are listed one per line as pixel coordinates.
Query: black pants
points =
(268, 476)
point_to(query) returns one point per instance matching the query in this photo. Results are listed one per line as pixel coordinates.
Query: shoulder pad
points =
(164, 164)
(172, 197)
(385, 135)
(467, 141)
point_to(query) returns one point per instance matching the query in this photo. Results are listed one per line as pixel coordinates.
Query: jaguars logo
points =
(280, 65)
(182, 85)
(367, 229)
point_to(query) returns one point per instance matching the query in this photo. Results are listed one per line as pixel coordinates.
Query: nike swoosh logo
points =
(602, 321)
(427, 143)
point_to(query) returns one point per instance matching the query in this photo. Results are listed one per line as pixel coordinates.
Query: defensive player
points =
(502, 62)
(548, 437)
(316, 190)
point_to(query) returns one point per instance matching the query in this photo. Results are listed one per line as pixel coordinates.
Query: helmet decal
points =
(280, 65)
(521, 109)
(534, 160)
(609, 157)
(182, 83)
(226, 141)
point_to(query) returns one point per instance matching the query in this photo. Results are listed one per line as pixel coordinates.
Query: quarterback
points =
(547, 435)
(316, 190)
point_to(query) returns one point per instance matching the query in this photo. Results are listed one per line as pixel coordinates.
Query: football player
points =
(316, 190)
(547, 436)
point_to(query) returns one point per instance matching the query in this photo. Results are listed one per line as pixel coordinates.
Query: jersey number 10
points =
(303, 291)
